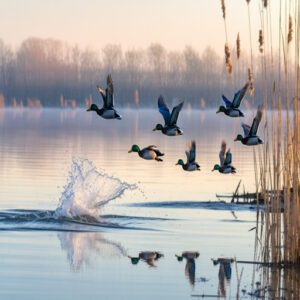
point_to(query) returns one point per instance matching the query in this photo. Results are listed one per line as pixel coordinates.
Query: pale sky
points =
(131, 23)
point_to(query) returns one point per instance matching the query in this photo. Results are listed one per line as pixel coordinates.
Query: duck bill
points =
(212, 170)
(235, 140)
(88, 109)
(218, 111)
(177, 164)
(129, 151)
(154, 129)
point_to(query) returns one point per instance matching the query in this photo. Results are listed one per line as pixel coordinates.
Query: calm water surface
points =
(75, 160)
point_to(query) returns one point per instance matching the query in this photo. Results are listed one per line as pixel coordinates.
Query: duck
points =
(225, 166)
(148, 153)
(231, 108)
(191, 164)
(250, 137)
(170, 128)
(148, 256)
(107, 111)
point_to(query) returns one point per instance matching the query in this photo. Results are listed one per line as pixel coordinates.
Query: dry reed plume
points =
(290, 34)
(223, 9)
(261, 41)
(238, 46)
(251, 86)
(228, 59)
(265, 2)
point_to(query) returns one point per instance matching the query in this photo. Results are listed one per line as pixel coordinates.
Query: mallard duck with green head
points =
(148, 256)
(170, 128)
(250, 137)
(225, 166)
(107, 111)
(231, 108)
(191, 164)
(148, 153)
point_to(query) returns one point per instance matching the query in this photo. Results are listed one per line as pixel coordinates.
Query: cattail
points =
(228, 59)
(223, 8)
(265, 3)
(250, 79)
(261, 41)
(290, 34)
(238, 46)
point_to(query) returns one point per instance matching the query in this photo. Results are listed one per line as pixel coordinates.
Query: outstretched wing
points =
(222, 153)
(163, 109)
(192, 152)
(102, 92)
(239, 95)
(246, 129)
(228, 158)
(226, 101)
(256, 121)
(175, 113)
(109, 92)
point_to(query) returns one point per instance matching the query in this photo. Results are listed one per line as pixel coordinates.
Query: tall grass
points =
(277, 162)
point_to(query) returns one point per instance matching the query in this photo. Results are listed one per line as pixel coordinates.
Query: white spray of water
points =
(87, 190)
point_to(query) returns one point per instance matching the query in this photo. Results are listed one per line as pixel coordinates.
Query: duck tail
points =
(158, 159)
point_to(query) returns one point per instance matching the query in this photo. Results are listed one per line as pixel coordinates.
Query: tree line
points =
(49, 70)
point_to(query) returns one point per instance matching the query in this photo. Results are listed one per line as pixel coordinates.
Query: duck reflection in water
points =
(190, 266)
(224, 274)
(82, 248)
(150, 257)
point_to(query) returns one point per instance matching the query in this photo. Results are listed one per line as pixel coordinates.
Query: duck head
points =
(134, 148)
(221, 109)
(239, 138)
(180, 162)
(216, 168)
(93, 107)
(134, 260)
(179, 258)
(158, 127)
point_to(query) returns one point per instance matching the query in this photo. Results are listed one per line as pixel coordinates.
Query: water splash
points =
(88, 190)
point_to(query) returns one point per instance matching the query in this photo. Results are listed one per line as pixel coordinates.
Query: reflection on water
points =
(82, 248)
(224, 275)
(190, 265)
(150, 257)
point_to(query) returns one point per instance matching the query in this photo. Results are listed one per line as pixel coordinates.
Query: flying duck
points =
(191, 164)
(250, 137)
(170, 128)
(231, 108)
(225, 166)
(149, 153)
(107, 111)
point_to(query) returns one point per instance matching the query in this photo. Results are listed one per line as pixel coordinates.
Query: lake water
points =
(61, 168)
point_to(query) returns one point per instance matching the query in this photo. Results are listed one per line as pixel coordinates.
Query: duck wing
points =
(256, 121)
(228, 158)
(155, 149)
(102, 92)
(228, 103)
(222, 153)
(246, 129)
(175, 114)
(239, 95)
(192, 152)
(163, 109)
(109, 103)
